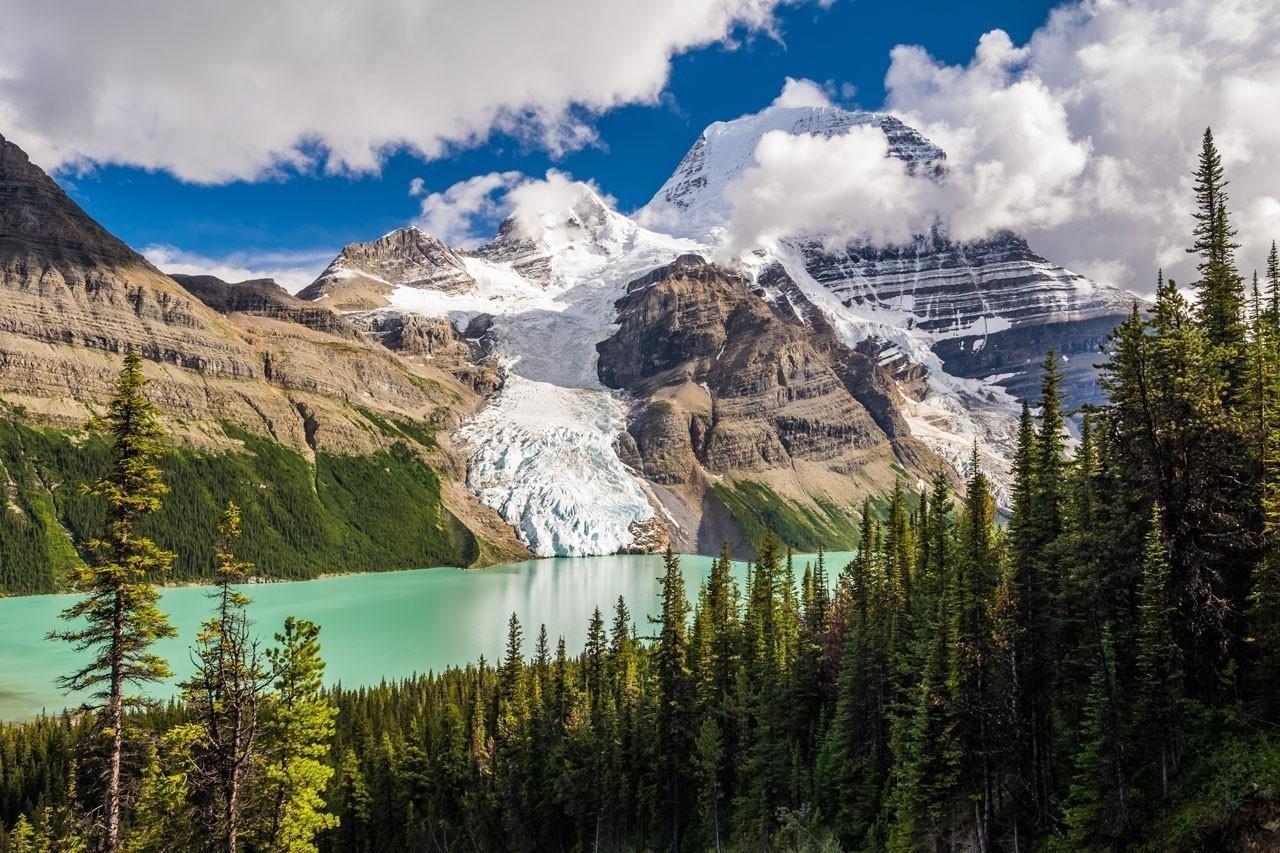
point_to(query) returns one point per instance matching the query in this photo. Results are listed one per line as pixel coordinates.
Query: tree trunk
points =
(115, 719)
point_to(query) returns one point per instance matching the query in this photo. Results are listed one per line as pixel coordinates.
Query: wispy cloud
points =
(293, 270)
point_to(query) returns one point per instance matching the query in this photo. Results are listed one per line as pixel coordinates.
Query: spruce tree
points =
(298, 723)
(118, 620)
(1097, 814)
(970, 683)
(1159, 665)
(1272, 312)
(674, 695)
(1220, 291)
(225, 694)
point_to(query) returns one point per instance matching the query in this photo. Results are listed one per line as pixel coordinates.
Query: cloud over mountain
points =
(1084, 139)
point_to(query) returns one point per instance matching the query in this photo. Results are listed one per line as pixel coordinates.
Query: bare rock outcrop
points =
(737, 382)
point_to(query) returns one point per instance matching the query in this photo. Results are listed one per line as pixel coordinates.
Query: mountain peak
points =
(364, 274)
(692, 200)
(38, 218)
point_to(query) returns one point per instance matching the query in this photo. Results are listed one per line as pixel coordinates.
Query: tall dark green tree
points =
(1220, 293)
(118, 620)
(674, 696)
(1159, 664)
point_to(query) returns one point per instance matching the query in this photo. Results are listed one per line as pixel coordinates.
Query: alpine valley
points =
(585, 382)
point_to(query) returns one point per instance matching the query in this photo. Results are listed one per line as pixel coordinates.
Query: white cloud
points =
(801, 93)
(291, 270)
(844, 186)
(1015, 167)
(467, 213)
(1084, 139)
(1130, 86)
(538, 205)
(452, 214)
(241, 89)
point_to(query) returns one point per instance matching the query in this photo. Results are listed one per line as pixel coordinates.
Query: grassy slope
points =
(758, 509)
(347, 513)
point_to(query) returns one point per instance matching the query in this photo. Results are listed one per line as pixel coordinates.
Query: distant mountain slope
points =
(267, 391)
(576, 469)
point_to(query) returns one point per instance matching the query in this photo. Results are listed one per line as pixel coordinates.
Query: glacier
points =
(541, 451)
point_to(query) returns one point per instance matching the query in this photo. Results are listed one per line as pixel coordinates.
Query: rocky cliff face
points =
(734, 385)
(364, 274)
(987, 308)
(264, 298)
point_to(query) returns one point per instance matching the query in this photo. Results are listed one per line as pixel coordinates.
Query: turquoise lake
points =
(373, 626)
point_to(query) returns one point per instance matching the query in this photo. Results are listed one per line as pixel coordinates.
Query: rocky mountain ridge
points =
(229, 365)
(591, 381)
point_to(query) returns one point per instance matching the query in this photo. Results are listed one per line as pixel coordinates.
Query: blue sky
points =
(299, 217)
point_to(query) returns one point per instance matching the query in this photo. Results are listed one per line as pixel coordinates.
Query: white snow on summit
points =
(542, 449)
(692, 203)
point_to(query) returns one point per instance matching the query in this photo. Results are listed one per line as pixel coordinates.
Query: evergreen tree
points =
(1272, 313)
(674, 695)
(970, 653)
(1098, 801)
(297, 725)
(1159, 688)
(119, 613)
(1220, 291)
(708, 760)
(166, 819)
(224, 695)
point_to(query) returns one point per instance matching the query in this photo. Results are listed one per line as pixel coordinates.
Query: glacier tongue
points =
(542, 456)
(542, 449)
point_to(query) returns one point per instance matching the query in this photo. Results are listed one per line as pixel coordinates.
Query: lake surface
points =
(374, 626)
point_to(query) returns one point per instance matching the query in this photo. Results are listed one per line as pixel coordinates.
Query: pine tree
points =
(970, 653)
(1272, 313)
(22, 839)
(119, 611)
(297, 726)
(853, 762)
(1159, 664)
(674, 694)
(927, 756)
(1097, 815)
(166, 819)
(718, 609)
(1220, 291)
(225, 693)
(708, 760)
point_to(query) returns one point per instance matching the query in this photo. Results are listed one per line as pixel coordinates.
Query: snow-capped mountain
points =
(692, 202)
(808, 376)
(365, 273)
(967, 294)
(979, 315)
